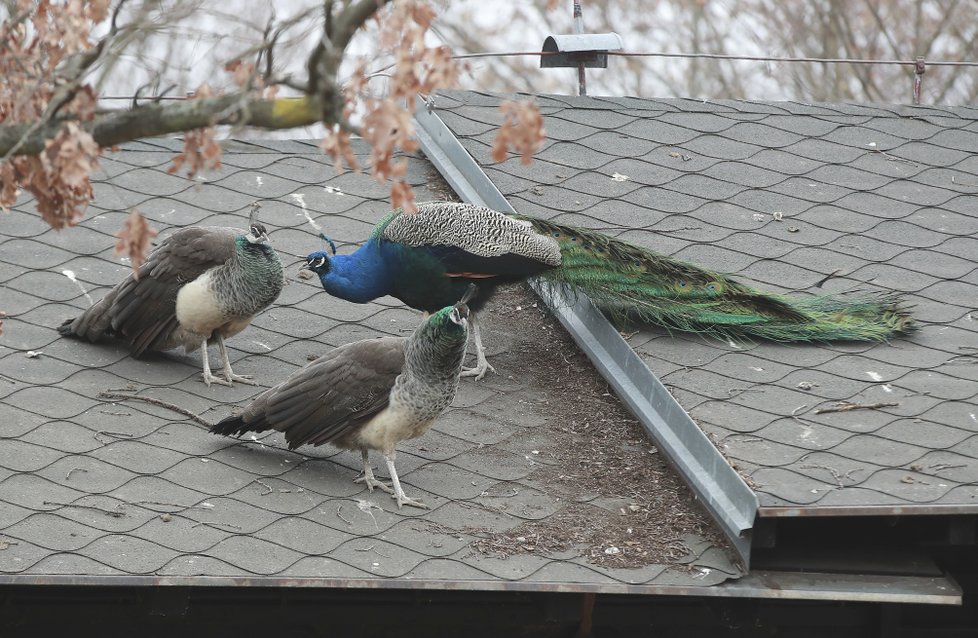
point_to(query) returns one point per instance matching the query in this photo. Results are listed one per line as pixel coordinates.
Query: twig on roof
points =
(156, 402)
(846, 406)
(116, 513)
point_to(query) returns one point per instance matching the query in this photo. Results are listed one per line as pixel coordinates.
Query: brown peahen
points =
(200, 285)
(367, 395)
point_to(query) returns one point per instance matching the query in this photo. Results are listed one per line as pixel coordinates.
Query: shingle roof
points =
(93, 487)
(789, 197)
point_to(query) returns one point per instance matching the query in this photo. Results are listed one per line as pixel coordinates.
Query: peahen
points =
(427, 258)
(200, 284)
(367, 395)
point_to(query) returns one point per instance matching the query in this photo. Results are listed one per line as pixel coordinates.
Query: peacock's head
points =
(257, 234)
(318, 262)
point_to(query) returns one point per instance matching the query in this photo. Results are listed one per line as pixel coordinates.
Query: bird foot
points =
(210, 377)
(479, 371)
(246, 379)
(372, 482)
(403, 499)
(228, 379)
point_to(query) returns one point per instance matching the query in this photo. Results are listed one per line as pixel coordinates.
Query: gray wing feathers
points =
(474, 229)
(334, 394)
(143, 310)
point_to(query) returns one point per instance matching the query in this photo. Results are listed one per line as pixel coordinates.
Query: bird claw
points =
(210, 377)
(478, 371)
(403, 499)
(240, 378)
(371, 483)
(228, 379)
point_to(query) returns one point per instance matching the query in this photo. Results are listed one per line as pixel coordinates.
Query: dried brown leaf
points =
(134, 239)
(8, 186)
(387, 127)
(336, 144)
(522, 128)
(59, 177)
(200, 151)
(241, 72)
(200, 147)
(402, 196)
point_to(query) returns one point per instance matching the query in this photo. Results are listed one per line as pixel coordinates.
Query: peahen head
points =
(446, 327)
(452, 321)
(257, 234)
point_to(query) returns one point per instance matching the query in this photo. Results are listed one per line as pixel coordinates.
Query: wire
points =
(641, 54)
(723, 56)
(771, 58)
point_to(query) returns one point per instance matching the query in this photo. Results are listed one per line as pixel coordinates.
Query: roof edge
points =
(789, 586)
(720, 489)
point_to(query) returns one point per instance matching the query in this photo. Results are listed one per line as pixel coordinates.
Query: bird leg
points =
(369, 478)
(228, 374)
(209, 377)
(481, 363)
(399, 495)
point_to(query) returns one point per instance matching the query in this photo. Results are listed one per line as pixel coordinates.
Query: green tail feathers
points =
(636, 285)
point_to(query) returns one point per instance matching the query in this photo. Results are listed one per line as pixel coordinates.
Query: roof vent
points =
(577, 49)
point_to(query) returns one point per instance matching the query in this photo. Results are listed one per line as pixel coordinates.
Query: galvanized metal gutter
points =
(724, 494)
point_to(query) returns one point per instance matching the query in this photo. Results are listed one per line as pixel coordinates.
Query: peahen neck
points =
(359, 277)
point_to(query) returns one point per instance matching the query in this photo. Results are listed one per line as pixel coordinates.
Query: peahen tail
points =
(633, 284)
(236, 426)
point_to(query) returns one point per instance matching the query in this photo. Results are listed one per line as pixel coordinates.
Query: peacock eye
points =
(317, 262)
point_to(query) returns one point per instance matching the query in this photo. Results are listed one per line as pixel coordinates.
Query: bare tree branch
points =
(160, 119)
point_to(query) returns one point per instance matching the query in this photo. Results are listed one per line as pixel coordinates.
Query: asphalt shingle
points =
(870, 198)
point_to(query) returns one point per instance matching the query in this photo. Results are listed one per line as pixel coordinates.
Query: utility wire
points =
(641, 54)
(723, 56)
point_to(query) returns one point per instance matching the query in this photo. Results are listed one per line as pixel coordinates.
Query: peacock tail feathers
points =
(632, 284)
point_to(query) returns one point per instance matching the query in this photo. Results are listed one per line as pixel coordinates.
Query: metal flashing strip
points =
(842, 511)
(934, 590)
(718, 486)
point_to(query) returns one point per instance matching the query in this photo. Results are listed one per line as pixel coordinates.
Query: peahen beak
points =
(257, 234)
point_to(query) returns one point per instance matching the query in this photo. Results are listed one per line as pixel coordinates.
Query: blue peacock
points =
(428, 258)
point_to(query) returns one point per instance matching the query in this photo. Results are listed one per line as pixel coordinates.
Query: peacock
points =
(427, 258)
(201, 284)
(367, 395)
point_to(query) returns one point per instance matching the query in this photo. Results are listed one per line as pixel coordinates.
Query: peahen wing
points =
(144, 309)
(334, 394)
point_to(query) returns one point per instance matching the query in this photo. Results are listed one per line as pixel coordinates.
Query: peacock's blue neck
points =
(359, 277)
